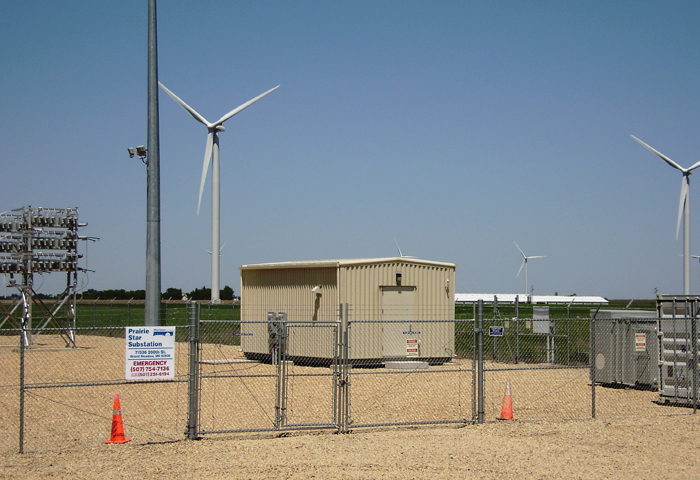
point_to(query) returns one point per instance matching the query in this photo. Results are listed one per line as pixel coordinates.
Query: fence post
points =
(480, 362)
(111, 312)
(341, 372)
(128, 312)
(336, 369)
(164, 315)
(495, 322)
(592, 361)
(283, 364)
(279, 358)
(694, 351)
(517, 329)
(193, 410)
(21, 389)
(347, 370)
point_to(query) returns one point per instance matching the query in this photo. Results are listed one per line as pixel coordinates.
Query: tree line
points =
(171, 293)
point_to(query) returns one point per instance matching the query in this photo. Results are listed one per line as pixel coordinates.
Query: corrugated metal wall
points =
(359, 285)
(285, 290)
(289, 290)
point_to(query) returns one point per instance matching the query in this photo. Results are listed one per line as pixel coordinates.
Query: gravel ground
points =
(639, 448)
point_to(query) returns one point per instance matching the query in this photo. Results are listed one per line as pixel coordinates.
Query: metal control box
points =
(626, 348)
(678, 321)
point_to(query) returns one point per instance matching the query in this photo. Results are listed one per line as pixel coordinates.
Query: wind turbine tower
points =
(524, 264)
(683, 211)
(211, 153)
(695, 256)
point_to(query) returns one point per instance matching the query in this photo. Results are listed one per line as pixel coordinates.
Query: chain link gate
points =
(304, 379)
(277, 391)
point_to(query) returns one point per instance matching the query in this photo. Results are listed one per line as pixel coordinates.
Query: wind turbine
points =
(524, 264)
(211, 153)
(220, 250)
(683, 211)
(399, 249)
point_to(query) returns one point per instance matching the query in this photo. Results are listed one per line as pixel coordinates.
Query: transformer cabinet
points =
(626, 347)
(399, 308)
(678, 324)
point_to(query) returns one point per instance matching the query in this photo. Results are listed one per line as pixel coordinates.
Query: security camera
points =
(315, 289)
(132, 152)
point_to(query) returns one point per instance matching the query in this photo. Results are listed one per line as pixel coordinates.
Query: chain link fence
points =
(278, 374)
(62, 397)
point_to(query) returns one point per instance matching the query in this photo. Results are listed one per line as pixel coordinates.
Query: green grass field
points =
(94, 314)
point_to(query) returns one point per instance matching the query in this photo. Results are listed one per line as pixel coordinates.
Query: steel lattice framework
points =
(41, 240)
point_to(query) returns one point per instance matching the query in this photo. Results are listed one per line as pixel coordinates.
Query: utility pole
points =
(152, 316)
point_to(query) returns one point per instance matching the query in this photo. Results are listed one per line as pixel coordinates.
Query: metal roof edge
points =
(343, 263)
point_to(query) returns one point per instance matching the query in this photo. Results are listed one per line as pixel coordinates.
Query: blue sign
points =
(495, 331)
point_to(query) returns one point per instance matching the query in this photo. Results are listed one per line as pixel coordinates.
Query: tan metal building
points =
(390, 301)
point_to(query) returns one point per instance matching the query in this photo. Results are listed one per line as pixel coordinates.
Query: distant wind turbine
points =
(220, 250)
(211, 153)
(399, 249)
(524, 264)
(683, 211)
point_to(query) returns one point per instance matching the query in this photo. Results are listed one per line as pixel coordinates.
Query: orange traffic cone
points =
(507, 408)
(117, 424)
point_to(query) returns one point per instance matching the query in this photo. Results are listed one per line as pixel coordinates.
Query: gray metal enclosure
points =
(627, 347)
(678, 319)
(404, 302)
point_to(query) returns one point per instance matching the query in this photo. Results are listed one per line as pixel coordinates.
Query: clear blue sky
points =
(454, 127)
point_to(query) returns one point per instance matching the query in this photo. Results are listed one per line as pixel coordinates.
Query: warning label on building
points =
(640, 342)
(412, 347)
(150, 353)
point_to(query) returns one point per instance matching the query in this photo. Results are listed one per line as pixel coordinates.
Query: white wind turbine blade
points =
(205, 166)
(222, 247)
(537, 256)
(187, 108)
(242, 107)
(682, 203)
(521, 267)
(398, 248)
(521, 252)
(660, 155)
(693, 167)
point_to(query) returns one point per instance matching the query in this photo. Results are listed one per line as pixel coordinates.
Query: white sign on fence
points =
(496, 331)
(150, 353)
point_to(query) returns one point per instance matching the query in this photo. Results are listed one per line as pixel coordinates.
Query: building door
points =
(398, 303)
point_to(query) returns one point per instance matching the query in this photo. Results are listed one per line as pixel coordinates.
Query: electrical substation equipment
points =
(40, 241)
